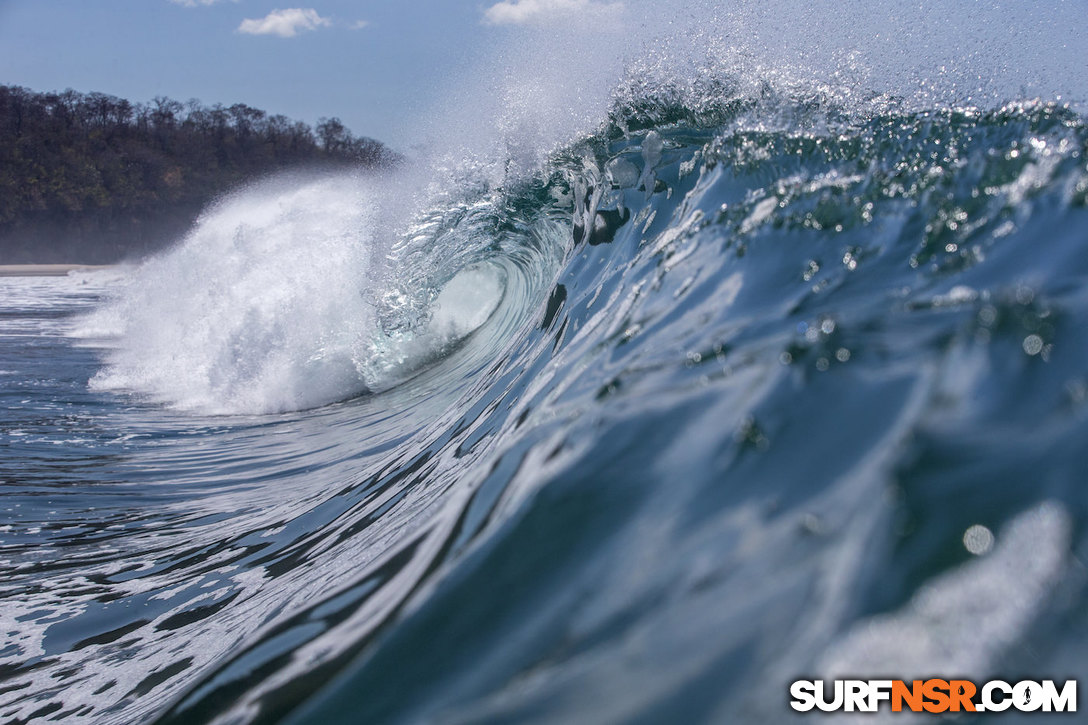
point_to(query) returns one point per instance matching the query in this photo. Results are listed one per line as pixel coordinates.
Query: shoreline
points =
(48, 270)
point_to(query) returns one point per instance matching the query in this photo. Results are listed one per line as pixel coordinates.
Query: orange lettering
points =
(962, 691)
(912, 696)
(934, 691)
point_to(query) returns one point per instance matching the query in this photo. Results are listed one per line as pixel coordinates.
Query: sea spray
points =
(290, 294)
(267, 305)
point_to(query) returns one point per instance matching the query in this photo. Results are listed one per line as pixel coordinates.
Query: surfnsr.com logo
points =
(933, 696)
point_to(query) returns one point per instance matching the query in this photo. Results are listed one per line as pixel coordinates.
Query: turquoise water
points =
(699, 406)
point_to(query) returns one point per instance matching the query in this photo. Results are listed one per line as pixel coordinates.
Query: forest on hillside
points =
(91, 178)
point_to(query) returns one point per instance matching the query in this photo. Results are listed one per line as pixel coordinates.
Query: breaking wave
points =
(636, 413)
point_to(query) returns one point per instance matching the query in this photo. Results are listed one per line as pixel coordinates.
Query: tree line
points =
(89, 177)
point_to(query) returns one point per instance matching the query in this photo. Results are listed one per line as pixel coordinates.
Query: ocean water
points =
(749, 380)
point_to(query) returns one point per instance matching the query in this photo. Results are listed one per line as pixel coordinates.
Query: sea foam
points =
(269, 305)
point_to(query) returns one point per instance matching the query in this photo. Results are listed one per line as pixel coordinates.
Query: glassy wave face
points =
(705, 404)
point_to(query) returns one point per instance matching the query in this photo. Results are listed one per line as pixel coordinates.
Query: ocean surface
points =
(747, 383)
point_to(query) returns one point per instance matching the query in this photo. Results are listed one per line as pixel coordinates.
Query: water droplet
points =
(1033, 344)
(813, 524)
(1025, 294)
(978, 539)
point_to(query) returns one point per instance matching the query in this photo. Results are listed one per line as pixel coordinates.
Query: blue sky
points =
(383, 65)
(373, 63)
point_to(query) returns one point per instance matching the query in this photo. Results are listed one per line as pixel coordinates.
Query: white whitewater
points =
(269, 305)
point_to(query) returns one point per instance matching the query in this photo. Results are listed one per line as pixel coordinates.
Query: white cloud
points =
(359, 25)
(545, 12)
(284, 23)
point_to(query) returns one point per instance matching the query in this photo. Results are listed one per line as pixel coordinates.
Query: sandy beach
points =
(45, 270)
